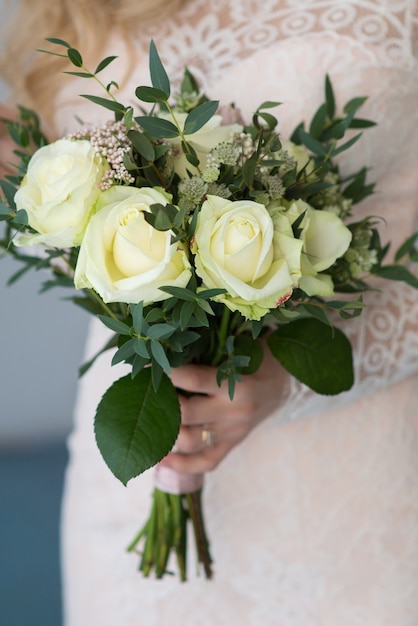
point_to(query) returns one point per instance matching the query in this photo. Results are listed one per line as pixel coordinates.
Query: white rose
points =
(125, 259)
(240, 249)
(59, 191)
(325, 239)
(203, 141)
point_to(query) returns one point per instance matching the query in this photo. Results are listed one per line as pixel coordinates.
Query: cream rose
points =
(325, 239)
(59, 191)
(122, 257)
(238, 247)
(203, 141)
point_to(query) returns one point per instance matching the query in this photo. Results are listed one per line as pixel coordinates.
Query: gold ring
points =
(208, 437)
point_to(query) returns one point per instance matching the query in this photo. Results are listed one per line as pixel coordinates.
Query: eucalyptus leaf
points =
(329, 97)
(397, 272)
(104, 63)
(75, 57)
(199, 116)
(112, 105)
(158, 74)
(9, 192)
(135, 426)
(311, 143)
(317, 355)
(59, 42)
(150, 94)
(158, 127)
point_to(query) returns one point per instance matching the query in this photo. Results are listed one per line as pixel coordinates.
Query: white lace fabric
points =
(314, 517)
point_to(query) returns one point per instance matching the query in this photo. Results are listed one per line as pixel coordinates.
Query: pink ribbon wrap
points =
(170, 481)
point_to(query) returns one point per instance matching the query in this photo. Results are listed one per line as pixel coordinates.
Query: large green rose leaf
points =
(135, 425)
(316, 354)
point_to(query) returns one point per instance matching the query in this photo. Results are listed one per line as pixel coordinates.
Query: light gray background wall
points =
(41, 347)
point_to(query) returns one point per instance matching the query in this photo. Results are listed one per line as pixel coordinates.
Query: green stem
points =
(104, 306)
(222, 335)
(194, 501)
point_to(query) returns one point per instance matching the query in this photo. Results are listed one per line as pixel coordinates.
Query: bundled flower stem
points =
(165, 532)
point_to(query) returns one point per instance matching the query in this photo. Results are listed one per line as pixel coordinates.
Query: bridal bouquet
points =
(192, 238)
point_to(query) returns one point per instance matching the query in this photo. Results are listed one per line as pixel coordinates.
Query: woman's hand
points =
(211, 424)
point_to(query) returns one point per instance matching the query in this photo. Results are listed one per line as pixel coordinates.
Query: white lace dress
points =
(314, 518)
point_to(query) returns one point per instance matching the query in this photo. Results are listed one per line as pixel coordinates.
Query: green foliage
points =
(316, 354)
(145, 429)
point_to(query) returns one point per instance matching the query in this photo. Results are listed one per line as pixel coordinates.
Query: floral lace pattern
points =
(314, 520)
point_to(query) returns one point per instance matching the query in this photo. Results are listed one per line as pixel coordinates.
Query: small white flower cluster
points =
(191, 191)
(287, 161)
(225, 153)
(274, 186)
(110, 141)
(359, 256)
(331, 199)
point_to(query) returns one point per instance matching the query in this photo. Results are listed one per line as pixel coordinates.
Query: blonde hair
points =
(85, 24)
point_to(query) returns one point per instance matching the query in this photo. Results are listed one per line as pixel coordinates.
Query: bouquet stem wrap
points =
(177, 498)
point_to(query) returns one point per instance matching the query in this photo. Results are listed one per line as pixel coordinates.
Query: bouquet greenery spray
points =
(192, 239)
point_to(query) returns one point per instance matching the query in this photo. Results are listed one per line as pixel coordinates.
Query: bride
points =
(314, 515)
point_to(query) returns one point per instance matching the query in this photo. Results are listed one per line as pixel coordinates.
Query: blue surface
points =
(31, 483)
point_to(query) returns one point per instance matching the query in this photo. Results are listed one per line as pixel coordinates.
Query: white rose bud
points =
(325, 239)
(240, 249)
(203, 141)
(59, 191)
(125, 259)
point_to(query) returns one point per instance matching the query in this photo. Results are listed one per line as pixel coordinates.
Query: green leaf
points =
(199, 116)
(158, 74)
(311, 143)
(9, 192)
(136, 426)
(137, 311)
(407, 247)
(268, 104)
(21, 217)
(318, 121)
(159, 355)
(59, 42)
(354, 104)
(158, 127)
(117, 326)
(125, 352)
(160, 331)
(317, 355)
(347, 144)
(80, 74)
(397, 272)
(150, 94)
(269, 119)
(245, 345)
(75, 57)
(329, 97)
(104, 63)
(112, 105)
(179, 292)
(359, 122)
